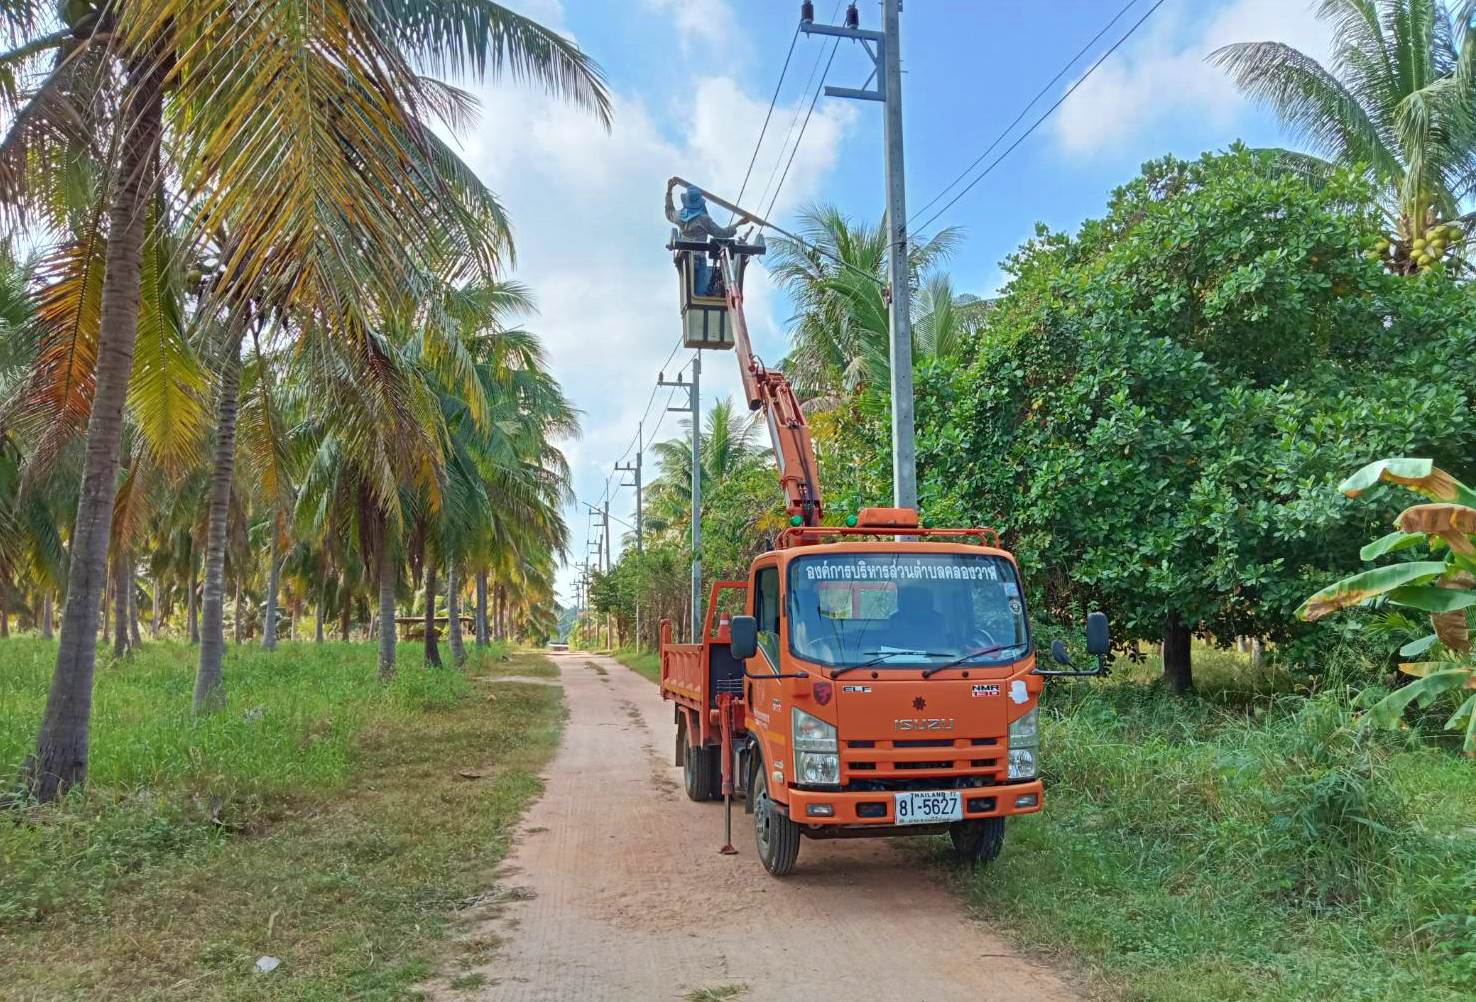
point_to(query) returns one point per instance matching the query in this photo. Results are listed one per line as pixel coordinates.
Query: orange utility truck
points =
(881, 679)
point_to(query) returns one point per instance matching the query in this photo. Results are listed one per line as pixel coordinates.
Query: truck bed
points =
(684, 673)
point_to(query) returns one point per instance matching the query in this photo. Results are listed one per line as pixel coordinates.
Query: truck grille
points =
(921, 764)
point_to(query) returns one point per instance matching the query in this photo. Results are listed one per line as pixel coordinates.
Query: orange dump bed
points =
(683, 677)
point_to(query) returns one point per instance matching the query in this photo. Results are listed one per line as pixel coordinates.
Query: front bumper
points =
(878, 809)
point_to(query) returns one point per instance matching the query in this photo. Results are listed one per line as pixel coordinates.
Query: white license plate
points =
(928, 808)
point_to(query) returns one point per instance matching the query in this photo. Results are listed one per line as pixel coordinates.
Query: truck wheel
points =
(698, 771)
(776, 835)
(977, 842)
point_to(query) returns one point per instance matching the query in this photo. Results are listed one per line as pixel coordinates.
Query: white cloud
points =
(591, 235)
(700, 22)
(1165, 76)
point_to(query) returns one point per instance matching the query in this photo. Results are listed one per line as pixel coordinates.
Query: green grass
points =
(719, 993)
(1246, 844)
(320, 819)
(641, 662)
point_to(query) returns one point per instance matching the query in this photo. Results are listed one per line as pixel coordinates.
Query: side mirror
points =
(1099, 640)
(743, 637)
(1059, 654)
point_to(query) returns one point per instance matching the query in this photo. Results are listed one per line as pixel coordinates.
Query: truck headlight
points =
(821, 768)
(1023, 763)
(816, 758)
(1024, 760)
(812, 733)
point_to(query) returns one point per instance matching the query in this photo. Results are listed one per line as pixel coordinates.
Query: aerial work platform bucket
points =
(704, 301)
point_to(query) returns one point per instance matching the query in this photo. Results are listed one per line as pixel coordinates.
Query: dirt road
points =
(619, 892)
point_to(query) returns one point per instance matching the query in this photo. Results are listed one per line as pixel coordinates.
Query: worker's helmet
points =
(693, 204)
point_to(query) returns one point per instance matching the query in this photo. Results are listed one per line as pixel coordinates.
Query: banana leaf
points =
(1428, 598)
(1368, 584)
(1394, 541)
(1420, 475)
(1415, 648)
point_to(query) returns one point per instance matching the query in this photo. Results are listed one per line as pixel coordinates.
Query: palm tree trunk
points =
(482, 608)
(120, 602)
(192, 610)
(322, 609)
(46, 616)
(156, 614)
(209, 683)
(60, 760)
(432, 648)
(238, 624)
(453, 610)
(134, 638)
(388, 571)
(274, 581)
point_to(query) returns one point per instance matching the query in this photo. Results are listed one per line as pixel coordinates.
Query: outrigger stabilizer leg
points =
(725, 718)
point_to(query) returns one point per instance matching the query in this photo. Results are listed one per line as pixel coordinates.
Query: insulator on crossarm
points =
(807, 12)
(853, 17)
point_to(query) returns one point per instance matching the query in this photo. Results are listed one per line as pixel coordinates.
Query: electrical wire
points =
(1047, 114)
(794, 119)
(1023, 111)
(800, 138)
(647, 412)
(784, 70)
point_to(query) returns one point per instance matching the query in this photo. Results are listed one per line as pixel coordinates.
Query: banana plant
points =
(1442, 585)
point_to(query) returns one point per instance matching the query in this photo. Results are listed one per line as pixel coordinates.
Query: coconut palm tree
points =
(297, 133)
(730, 444)
(1399, 100)
(840, 330)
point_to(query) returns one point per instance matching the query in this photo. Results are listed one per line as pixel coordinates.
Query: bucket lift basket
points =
(705, 322)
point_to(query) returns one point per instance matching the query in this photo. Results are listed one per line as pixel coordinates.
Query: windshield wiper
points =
(882, 656)
(971, 655)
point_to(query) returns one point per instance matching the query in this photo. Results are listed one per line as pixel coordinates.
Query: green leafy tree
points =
(1158, 402)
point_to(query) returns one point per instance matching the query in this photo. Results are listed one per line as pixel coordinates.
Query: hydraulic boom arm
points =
(769, 391)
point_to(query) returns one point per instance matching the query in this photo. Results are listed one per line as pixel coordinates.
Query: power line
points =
(1023, 111)
(667, 409)
(794, 119)
(647, 412)
(800, 138)
(1047, 114)
(767, 115)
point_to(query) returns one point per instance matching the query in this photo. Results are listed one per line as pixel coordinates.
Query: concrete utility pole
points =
(694, 408)
(884, 47)
(609, 566)
(634, 469)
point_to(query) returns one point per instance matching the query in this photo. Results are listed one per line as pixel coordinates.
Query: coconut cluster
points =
(1426, 250)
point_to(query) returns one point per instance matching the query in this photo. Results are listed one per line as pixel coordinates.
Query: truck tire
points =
(977, 843)
(776, 836)
(700, 773)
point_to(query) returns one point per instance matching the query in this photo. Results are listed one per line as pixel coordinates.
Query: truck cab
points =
(890, 691)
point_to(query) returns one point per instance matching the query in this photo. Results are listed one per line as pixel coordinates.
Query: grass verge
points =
(322, 819)
(640, 662)
(1241, 846)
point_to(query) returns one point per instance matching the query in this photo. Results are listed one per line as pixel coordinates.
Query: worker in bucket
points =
(693, 223)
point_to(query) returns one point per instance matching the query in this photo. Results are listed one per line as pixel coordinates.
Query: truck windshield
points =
(905, 609)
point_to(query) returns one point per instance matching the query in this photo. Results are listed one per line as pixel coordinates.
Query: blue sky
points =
(692, 80)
